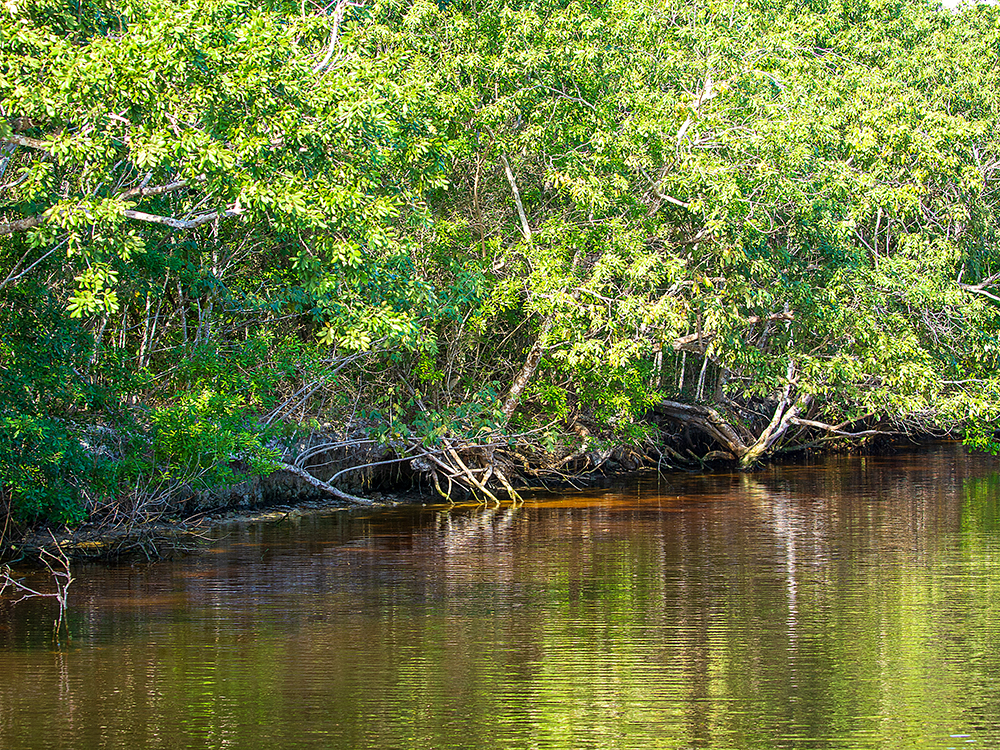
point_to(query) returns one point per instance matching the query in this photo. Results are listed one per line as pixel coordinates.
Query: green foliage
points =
(699, 171)
(204, 438)
(43, 460)
(477, 417)
(218, 217)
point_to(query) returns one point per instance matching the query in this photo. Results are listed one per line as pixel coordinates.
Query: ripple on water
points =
(847, 604)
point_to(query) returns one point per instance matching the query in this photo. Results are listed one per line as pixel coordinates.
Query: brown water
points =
(854, 604)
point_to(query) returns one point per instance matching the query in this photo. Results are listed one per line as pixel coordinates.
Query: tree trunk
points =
(778, 425)
(708, 421)
(527, 371)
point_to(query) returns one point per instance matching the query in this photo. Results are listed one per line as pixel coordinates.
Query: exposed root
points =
(471, 477)
(437, 486)
(516, 498)
(787, 431)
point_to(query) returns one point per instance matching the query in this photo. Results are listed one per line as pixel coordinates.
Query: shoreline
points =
(186, 533)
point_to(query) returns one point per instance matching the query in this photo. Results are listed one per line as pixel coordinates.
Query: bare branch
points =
(564, 95)
(30, 222)
(833, 429)
(319, 484)
(338, 18)
(58, 566)
(980, 288)
(169, 221)
(525, 229)
(707, 93)
(143, 192)
(15, 276)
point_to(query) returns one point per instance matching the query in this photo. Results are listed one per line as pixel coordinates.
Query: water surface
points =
(853, 603)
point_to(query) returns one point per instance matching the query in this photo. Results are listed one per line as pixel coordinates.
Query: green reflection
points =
(851, 604)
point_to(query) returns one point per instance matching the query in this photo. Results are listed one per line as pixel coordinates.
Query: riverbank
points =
(558, 265)
(186, 523)
(187, 532)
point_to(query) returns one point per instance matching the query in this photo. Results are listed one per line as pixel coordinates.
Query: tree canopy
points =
(553, 228)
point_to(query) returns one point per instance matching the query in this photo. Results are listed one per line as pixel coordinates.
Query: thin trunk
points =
(527, 370)
(700, 392)
(124, 330)
(720, 384)
(156, 321)
(97, 340)
(197, 333)
(476, 208)
(183, 310)
(525, 229)
(207, 335)
(146, 325)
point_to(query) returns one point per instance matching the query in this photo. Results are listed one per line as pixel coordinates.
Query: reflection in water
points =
(850, 604)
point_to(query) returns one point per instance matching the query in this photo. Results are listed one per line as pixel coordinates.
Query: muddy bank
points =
(330, 475)
(195, 519)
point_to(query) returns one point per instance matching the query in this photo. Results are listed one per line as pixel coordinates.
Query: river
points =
(853, 602)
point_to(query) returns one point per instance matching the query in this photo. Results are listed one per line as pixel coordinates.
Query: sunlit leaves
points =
(710, 193)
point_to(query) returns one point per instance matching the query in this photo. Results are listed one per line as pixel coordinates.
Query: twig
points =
(59, 569)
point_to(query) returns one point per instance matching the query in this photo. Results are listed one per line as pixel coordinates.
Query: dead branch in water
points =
(57, 563)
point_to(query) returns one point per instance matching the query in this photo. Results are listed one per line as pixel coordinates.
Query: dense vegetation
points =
(490, 236)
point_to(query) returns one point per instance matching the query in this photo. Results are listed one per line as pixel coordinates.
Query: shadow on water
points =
(850, 603)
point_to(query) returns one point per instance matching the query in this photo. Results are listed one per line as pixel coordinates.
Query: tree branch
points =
(21, 225)
(978, 289)
(833, 429)
(338, 18)
(525, 229)
(326, 487)
(143, 192)
(169, 221)
(22, 140)
(30, 222)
